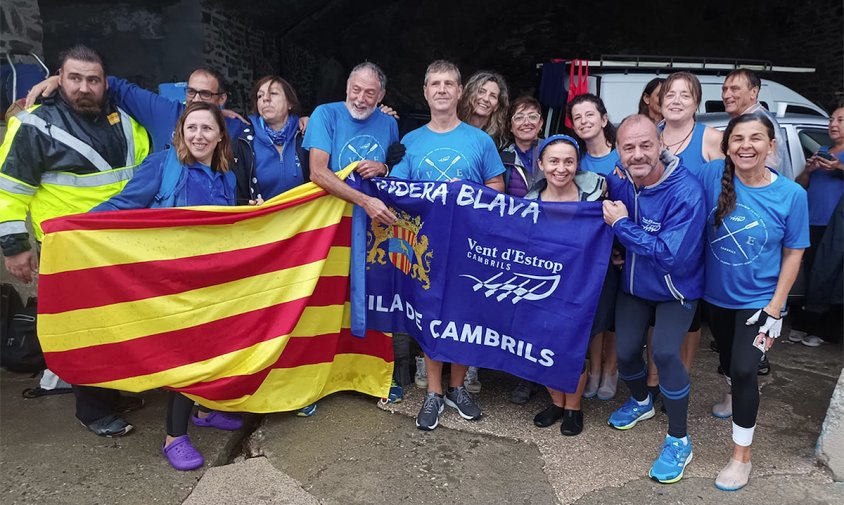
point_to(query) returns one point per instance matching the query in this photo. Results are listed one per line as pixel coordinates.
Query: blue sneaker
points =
(396, 394)
(631, 413)
(669, 466)
(307, 411)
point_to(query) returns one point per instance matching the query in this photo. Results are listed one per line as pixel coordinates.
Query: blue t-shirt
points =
(463, 153)
(744, 254)
(603, 165)
(333, 129)
(825, 191)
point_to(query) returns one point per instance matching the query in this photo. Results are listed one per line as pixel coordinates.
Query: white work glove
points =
(771, 326)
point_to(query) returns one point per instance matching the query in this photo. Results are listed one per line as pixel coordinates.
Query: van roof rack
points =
(645, 62)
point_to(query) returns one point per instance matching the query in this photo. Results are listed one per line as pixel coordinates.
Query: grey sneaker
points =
(421, 377)
(471, 381)
(461, 399)
(109, 426)
(429, 415)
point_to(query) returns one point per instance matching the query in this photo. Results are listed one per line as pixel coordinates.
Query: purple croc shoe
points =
(219, 420)
(182, 455)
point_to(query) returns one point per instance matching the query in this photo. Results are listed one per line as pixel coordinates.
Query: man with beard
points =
(159, 114)
(64, 157)
(355, 130)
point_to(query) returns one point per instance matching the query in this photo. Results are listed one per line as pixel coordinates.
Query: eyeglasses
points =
(203, 93)
(533, 117)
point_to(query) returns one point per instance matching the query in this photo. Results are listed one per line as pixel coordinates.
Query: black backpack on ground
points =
(20, 350)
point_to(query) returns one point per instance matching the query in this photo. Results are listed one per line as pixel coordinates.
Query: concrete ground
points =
(352, 452)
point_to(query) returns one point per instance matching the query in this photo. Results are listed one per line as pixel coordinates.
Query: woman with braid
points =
(757, 228)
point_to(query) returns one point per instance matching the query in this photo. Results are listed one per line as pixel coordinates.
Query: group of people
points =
(703, 219)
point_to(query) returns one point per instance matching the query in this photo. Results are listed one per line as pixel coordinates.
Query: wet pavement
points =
(354, 452)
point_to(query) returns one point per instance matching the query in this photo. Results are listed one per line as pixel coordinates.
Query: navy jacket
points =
(664, 234)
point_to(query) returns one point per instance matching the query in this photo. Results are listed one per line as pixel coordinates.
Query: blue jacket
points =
(140, 192)
(664, 234)
(154, 112)
(255, 157)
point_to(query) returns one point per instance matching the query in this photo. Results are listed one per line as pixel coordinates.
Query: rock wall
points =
(20, 26)
(239, 47)
(512, 37)
(151, 43)
(314, 43)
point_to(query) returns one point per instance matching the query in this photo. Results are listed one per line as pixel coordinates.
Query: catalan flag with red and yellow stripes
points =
(240, 308)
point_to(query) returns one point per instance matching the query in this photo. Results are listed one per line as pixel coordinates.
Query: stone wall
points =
(155, 42)
(314, 43)
(512, 37)
(20, 26)
(239, 47)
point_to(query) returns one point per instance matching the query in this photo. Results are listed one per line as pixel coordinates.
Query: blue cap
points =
(558, 137)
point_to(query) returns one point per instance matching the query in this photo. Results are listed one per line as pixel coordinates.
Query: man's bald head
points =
(637, 141)
(638, 120)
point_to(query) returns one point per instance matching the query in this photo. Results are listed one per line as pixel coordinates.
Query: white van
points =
(620, 93)
(620, 80)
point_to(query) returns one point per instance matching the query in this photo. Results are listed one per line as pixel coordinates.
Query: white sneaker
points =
(609, 384)
(734, 476)
(724, 408)
(592, 384)
(471, 382)
(812, 341)
(797, 336)
(421, 377)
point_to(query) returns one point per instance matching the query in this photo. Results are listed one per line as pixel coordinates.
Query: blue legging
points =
(671, 322)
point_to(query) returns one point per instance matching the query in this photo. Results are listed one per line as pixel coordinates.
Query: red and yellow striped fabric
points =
(242, 309)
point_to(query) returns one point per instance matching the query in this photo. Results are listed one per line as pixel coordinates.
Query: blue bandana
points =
(280, 137)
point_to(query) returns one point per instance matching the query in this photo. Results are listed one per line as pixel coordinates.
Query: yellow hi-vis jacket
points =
(55, 162)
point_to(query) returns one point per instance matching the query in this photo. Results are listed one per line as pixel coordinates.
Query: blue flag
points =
(485, 279)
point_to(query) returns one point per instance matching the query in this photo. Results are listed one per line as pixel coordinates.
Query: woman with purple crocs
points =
(194, 171)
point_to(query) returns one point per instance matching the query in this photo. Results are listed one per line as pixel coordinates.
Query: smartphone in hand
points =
(759, 342)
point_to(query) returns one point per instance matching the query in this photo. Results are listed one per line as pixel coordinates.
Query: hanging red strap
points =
(581, 85)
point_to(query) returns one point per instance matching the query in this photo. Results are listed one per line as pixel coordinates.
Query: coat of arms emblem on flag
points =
(406, 249)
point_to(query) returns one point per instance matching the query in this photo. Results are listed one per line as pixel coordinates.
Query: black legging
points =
(739, 358)
(672, 320)
(179, 409)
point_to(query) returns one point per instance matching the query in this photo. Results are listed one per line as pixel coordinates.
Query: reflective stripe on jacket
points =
(54, 163)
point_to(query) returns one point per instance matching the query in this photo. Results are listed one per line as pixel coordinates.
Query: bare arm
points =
(322, 176)
(788, 274)
(496, 183)
(44, 88)
(712, 144)
(811, 166)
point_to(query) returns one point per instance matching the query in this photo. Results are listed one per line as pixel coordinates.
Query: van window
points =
(714, 106)
(718, 106)
(799, 109)
(813, 138)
